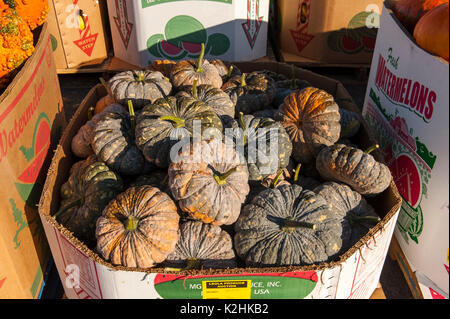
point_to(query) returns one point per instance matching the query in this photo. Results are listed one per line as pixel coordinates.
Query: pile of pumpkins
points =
(427, 21)
(129, 202)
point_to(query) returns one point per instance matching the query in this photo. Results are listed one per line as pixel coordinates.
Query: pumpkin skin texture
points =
(211, 188)
(163, 66)
(184, 73)
(431, 32)
(223, 69)
(256, 93)
(141, 87)
(352, 166)
(286, 87)
(139, 228)
(218, 100)
(311, 118)
(409, 12)
(349, 206)
(265, 235)
(103, 103)
(114, 143)
(350, 123)
(93, 185)
(154, 130)
(157, 178)
(202, 246)
(257, 132)
(81, 142)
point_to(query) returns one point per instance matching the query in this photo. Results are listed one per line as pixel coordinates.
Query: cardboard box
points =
(85, 274)
(31, 123)
(79, 31)
(143, 31)
(407, 109)
(327, 31)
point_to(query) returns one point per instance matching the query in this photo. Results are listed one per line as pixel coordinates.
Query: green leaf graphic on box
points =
(183, 36)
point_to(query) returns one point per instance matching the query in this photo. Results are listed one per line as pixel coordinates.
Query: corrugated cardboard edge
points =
(63, 159)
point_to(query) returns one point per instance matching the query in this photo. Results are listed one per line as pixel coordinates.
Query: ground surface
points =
(75, 87)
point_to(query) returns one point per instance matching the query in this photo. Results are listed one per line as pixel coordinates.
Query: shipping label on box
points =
(78, 33)
(31, 121)
(407, 109)
(145, 30)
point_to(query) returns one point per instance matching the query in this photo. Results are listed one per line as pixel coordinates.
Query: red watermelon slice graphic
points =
(35, 156)
(407, 179)
(192, 48)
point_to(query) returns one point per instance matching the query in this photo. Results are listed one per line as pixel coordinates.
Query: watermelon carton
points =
(230, 30)
(407, 110)
(85, 274)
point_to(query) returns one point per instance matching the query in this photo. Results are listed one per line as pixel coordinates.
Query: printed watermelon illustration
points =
(358, 36)
(401, 128)
(182, 38)
(407, 179)
(35, 156)
(294, 284)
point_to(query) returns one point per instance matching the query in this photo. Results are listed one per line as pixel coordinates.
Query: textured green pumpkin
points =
(91, 185)
(211, 188)
(156, 178)
(250, 92)
(350, 123)
(202, 246)
(159, 125)
(141, 87)
(356, 215)
(81, 142)
(286, 87)
(114, 143)
(258, 132)
(352, 166)
(218, 100)
(287, 226)
(138, 228)
(226, 71)
(311, 118)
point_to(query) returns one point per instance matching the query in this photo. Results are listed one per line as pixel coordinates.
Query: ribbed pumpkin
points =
(311, 118)
(212, 187)
(287, 226)
(138, 228)
(161, 124)
(163, 66)
(226, 71)
(81, 142)
(256, 133)
(202, 246)
(350, 123)
(218, 100)
(157, 178)
(89, 188)
(250, 92)
(353, 167)
(286, 87)
(114, 142)
(186, 71)
(305, 182)
(431, 32)
(356, 215)
(141, 87)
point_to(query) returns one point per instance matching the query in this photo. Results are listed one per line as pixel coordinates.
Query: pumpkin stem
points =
(230, 70)
(349, 127)
(277, 178)
(289, 225)
(297, 171)
(90, 113)
(132, 116)
(293, 80)
(354, 219)
(200, 60)
(221, 179)
(243, 83)
(194, 89)
(192, 263)
(131, 223)
(242, 122)
(76, 203)
(371, 149)
(140, 77)
(179, 122)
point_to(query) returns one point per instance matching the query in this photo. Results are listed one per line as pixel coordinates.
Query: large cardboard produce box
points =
(145, 30)
(327, 31)
(407, 109)
(85, 274)
(79, 31)
(31, 121)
